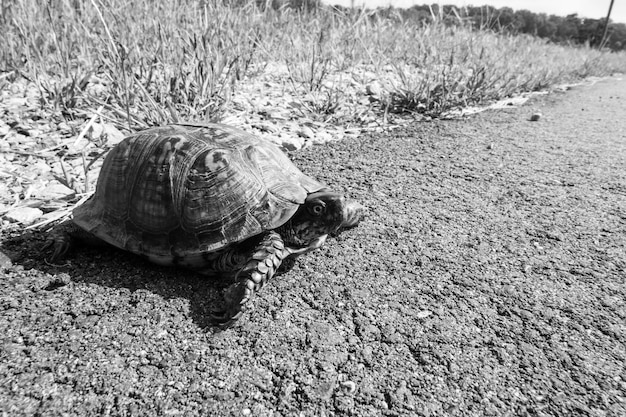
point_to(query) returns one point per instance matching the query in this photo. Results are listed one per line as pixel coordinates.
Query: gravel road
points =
(488, 279)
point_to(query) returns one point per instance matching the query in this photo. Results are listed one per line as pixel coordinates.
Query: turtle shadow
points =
(110, 267)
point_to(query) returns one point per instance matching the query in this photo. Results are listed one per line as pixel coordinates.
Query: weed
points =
(159, 62)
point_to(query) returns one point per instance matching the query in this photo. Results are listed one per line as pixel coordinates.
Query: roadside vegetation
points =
(150, 62)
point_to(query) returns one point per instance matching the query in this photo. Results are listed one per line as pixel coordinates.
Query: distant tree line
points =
(568, 29)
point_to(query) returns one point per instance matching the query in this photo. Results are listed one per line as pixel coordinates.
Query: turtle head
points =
(321, 213)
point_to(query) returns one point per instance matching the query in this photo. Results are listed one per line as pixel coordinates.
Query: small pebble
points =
(5, 260)
(423, 314)
(58, 281)
(114, 136)
(22, 130)
(535, 117)
(349, 386)
(33, 133)
(306, 132)
(96, 130)
(64, 127)
(292, 143)
(373, 89)
(323, 137)
(266, 127)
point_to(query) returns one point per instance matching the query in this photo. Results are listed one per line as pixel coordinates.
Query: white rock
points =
(4, 192)
(322, 137)
(16, 102)
(96, 80)
(96, 130)
(266, 127)
(423, 314)
(374, 89)
(349, 386)
(105, 130)
(79, 147)
(40, 167)
(274, 114)
(23, 215)
(114, 136)
(34, 133)
(64, 127)
(291, 143)
(306, 132)
(54, 191)
(5, 260)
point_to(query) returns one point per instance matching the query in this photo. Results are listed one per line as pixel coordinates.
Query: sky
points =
(584, 8)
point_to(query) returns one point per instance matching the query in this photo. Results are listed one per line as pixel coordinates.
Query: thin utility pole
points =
(606, 25)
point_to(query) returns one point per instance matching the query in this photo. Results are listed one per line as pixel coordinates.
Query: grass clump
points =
(153, 61)
(150, 62)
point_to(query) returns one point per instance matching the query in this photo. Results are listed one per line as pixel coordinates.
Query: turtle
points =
(211, 198)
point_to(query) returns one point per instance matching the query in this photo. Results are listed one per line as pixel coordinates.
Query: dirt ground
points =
(488, 279)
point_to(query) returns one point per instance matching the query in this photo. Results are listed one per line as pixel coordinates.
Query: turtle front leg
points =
(266, 257)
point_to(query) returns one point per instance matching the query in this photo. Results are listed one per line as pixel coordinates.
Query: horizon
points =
(590, 9)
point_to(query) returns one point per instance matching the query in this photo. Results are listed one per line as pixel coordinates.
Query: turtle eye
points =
(317, 209)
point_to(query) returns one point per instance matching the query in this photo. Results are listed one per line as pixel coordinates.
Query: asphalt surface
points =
(488, 279)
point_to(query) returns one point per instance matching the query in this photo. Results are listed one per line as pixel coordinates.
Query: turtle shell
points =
(183, 190)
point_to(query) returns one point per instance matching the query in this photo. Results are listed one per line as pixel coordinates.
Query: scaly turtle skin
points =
(211, 198)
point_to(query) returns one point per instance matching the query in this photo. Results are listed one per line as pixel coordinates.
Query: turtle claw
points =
(224, 319)
(60, 245)
(236, 297)
(62, 238)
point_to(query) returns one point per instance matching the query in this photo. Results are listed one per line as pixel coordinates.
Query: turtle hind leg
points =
(261, 266)
(64, 236)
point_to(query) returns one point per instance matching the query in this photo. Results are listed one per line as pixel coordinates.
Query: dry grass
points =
(150, 62)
